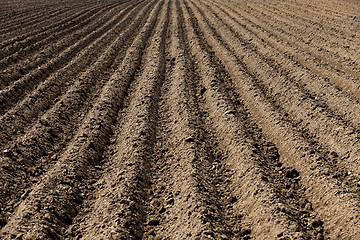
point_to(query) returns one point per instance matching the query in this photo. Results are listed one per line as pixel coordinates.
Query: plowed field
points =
(180, 119)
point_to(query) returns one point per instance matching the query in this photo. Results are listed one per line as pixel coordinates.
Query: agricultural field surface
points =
(180, 119)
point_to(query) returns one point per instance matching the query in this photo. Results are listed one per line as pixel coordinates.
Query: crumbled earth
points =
(180, 119)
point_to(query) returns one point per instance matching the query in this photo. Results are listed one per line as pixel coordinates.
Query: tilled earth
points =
(180, 119)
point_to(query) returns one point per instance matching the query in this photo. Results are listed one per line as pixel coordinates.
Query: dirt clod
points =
(293, 173)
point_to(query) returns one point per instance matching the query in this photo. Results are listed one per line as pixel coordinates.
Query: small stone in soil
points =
(292, 173)
(317, 223)
(154, 222)
(162, 210)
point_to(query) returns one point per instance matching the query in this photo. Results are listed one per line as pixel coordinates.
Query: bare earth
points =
(180, 119)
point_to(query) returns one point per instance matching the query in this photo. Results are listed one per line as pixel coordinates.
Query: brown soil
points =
(179, 119)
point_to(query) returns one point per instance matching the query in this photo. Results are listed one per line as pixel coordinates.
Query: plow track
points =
(179, 119)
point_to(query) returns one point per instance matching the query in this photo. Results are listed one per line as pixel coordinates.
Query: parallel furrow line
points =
(47, 12)
(44, 19)
(313, 54)
(22, 26)
(187, 205)
(324, 48)
(327, 25)
(120, 194)
(25, 112)
(19, 42)
(342, 80)
(66, 178)
(334, 26)
(31, 12)
(278, 56)
(44, 74)
(329, 130)
(331, 204)
(57, 42)
(248, 169)
(10, 13)
(55, 127)
(340, 19)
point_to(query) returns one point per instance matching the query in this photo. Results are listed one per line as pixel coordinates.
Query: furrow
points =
(47, 11)
(45, 214)
(342, 26)
(336, 205)
(323, 8)
(329, 131)
(43, 19)
(19, 37)
(10, 13)
(326, 24)
(340, 52)
(334, 26)
(120, 194)
(73, 57)
(326, 48)
(18, 43)
(179, 119)
(279, 57)
(263, 210)
(46, 18)
(336, 22)
(340, 80)
(56, 126)
(47, 94)
(16, 65)
(37, 11)
(183, 201)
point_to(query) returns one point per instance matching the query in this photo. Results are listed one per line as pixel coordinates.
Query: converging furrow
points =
(179, 119)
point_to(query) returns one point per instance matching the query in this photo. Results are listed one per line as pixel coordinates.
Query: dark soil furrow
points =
(29, 80)
(56, 128)
(120, 194)
(27, 111)
(48, 214)
(21, 38)
(11, 14)
(73, 59)
(22, 49)
(20, 41)
(179, 119)
(37, 12)
(46, 18)
(48, 13)
(43, 19)
(21, 63)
